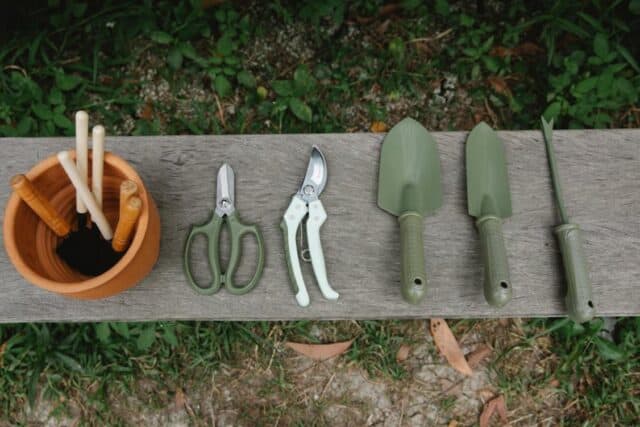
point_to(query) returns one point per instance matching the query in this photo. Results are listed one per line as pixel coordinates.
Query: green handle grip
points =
(211, 231)
(497, 286)
(578, 300)
(413, 278)
(236, 231)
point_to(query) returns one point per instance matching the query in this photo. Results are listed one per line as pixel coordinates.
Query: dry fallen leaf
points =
(448, 346)
(453, 423)
(403, 353)
(496, 404)
(180, 399)
(320, 351)
(147, 112)
(525, 49)
(481, 352)
(378, 126)
(499, 85)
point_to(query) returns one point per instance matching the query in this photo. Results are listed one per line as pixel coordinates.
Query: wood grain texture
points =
(600, 171)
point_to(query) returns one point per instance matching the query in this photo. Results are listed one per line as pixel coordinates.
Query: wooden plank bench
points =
(600, 171)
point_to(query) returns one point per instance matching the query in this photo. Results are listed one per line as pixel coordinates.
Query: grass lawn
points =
(211, 67)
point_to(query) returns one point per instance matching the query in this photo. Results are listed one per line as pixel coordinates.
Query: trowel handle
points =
(578, 300)
(497, 286)
(413, 278)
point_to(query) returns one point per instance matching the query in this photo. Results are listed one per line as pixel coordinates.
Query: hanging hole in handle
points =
(504, 285)
(590, 303)
(417, 281)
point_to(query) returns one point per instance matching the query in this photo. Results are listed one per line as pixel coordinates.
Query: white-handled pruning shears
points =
(306, 202)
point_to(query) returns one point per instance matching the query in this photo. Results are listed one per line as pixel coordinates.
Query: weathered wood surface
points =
(600, 172)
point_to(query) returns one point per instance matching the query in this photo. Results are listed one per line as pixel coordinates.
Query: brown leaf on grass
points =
(499, 85)
(378, 126)
(481, 352)
(382, 28)
(496, 404)
(179, 399)
(320, 351)
(525, 49)
(448, 345)
(453, 423)
(403, 353)
(147, 112)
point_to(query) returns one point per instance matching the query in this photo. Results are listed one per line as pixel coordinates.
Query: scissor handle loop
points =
(236, 231)
(211, 231)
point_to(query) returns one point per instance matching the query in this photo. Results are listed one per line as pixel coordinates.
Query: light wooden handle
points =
(126, 222)
(97, 162)
(25, 189)
(82, 154)
(128, 188)
(85, 194)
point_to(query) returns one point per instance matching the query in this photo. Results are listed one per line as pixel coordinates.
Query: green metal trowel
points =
(489, 200)
(578, 299)
(409, 187)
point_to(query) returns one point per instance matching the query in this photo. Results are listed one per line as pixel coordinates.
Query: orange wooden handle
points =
(126, 222)
(25, 189)
(128, 188)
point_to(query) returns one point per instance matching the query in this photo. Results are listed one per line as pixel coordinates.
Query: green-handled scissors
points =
(225, 212)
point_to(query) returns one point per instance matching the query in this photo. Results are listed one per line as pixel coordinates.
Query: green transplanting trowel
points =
(409, 187)
(489, 200)
(578, 298)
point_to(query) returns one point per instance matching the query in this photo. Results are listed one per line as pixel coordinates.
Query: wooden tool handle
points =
(25, 189)
(126, 222)
(128, 188)
(97, 162)
(82, 156)
(85, 194)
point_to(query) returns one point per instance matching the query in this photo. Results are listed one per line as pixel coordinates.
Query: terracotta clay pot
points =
(31, 245)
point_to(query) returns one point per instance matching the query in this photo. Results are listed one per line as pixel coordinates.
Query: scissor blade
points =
(225, 193)
(316, 177)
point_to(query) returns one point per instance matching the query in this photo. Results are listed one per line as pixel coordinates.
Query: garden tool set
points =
(409, 187)
(224, 213)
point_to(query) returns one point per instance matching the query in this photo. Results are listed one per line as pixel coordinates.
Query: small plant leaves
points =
(303, 81)
(608, 350)
(43, 112)
(174, 58)
(66, 82)
(224, 45)
(246, 79)
(146, 338)
(282, 87)
(62, 121)
(103, 331)
(161, 37)
(69, 362)
(601, 45)
(300, 110)
(320, 351)
(222, 85)
(121, 328)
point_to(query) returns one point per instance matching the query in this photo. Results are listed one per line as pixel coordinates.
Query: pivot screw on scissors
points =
(225, 212)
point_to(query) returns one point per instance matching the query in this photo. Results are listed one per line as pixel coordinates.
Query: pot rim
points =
(92, 282)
